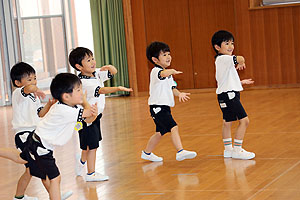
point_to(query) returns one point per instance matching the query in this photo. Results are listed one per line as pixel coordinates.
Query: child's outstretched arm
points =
(247, 81)
(12, 154)
(183, 96)
(34, 89)
(107, 90)
(112, 69)
(168, 72)
(47, 107)
(90, 112)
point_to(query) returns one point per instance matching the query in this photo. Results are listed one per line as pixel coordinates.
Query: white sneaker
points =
(242, 154)
(27, 198)
(95, 177)
(66, 195)
(227, 153)
(152, 157)
(79, 166)
(184, 154)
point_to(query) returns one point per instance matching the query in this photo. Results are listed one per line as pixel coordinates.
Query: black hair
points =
(19, 71)
(77, 55)
(219, 37)
(154, 49)
(63, 83)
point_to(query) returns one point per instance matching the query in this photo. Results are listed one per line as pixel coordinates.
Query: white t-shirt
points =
(58, 125)
(226, 75)
(25, 110)
(91, 85)
(161, 92)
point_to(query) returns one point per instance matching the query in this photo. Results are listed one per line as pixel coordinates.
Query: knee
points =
(244, 122)
(227, 125)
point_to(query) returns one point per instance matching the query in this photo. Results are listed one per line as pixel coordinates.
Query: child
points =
(26, 112)
(162, 89)
(12, 154)
(56, 129)
(81, 59)
(229, 87)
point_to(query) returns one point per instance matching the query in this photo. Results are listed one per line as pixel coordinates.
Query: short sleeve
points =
(104, 75)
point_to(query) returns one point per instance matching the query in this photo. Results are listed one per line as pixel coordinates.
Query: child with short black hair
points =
(81, 59)
(27, 110)
(55, 129)
(228, 91)
(162, 91)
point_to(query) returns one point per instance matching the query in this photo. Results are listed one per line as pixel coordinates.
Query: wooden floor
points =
(273, 134)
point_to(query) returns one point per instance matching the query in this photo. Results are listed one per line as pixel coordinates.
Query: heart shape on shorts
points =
(156, 110)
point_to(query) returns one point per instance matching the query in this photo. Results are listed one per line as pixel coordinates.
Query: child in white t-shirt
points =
(81, 59)
(56, 128)
(162, 91)
(228, 91)
(27, 110)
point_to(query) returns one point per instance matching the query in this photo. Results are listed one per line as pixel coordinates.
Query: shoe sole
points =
(66, 195)
(151, 160)
(187, 157)
(249, 158)
(99, 180)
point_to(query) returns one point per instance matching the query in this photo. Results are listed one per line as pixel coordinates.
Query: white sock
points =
(238, 144)
(227, 144)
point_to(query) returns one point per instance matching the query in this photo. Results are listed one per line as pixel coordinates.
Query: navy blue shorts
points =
(162, 117)
(89, 136)
(41, 162)
(231, 106)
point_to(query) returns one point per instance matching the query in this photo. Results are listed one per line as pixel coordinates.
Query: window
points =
(279, 2)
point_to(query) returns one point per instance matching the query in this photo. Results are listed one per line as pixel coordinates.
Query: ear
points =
(65, 97)
(78, 66)
(18, 83)
(217, 47)
(155, 60)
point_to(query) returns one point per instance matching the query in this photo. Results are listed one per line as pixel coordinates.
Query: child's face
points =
(226, 48)
(76, 97)
(88, 65)
(164, 59)
(27, 80)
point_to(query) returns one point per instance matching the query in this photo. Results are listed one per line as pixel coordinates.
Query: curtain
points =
(109, 39)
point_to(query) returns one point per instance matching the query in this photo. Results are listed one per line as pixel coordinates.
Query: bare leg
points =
(91, 160)
(23, 183)
(12, 154)
(46, 183)
(226, 131)
(241, 129)
(176, 138)
(84, 154)
(54, 191)
(153, 141)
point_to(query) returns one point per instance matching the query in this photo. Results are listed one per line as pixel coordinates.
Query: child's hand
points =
(106, 67)
(51, 102)
(183, 97)
(176, 72)
(247, 81)
(121, 88)
(40, 94)
(94, 109)
(241, 66)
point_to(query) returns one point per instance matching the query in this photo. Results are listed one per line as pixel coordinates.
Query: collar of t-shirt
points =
(87, 77)
(158, 66)
(59, 102)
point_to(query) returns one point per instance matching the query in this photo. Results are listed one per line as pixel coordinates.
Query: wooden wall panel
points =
(207, 17)
(296, 40)
(139, 32)
(272, 46)
(243, 38)
(257, 28)
(286, 46)
(168, 21)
